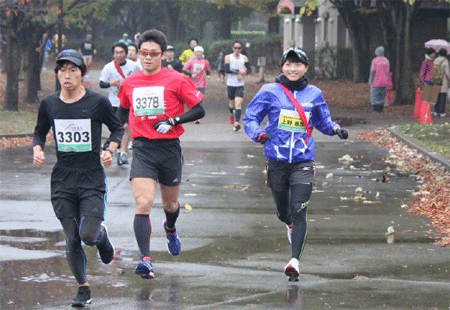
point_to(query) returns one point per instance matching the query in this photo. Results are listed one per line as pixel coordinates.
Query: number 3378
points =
(68, 137)
(147, 103)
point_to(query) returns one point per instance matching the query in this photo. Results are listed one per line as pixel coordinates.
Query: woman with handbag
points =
(293, 108)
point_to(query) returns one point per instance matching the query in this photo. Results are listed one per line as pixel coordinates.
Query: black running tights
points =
(88, 230)
(292, 210)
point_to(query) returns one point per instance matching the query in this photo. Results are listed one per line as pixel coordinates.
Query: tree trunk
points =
(171, 14)
(225, 22)
(13, 59)
(34, 64)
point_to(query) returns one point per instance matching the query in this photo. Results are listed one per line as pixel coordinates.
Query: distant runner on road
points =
(153, 100)
(293, 108)
(111, 77)
(236, 67)
(78, 182)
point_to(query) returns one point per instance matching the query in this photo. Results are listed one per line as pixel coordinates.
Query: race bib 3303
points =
(73, 135)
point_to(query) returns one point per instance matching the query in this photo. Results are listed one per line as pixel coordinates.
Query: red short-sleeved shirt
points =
(151, 98)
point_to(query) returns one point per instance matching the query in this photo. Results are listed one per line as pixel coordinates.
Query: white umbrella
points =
(437, 44)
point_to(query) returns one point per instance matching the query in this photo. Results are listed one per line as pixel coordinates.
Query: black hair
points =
(292, 57)
(133, 44)
(121, 45)
(62, 63)
(153, 35)
(429, 50)
(236, 41)
(442, 52)
(192, 39)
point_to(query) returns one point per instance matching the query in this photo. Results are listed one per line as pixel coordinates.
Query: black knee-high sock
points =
(171, 219)
(237, 115)
(143, 231)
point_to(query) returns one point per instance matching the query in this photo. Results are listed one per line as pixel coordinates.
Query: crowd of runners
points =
(151, 94)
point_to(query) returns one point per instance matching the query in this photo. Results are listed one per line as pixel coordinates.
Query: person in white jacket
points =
(443, 63)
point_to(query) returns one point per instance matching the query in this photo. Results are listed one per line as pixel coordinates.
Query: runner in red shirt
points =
(153, 102)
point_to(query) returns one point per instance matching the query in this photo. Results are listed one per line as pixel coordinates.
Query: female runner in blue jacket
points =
(289, 104)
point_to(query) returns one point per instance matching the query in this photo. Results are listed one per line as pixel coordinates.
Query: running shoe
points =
(173, 242)
(292, 269)
(122, 159)
(145, 268)
(289, 233)
(237, 127)
(106, 250)
(83, 297)
(231, 120)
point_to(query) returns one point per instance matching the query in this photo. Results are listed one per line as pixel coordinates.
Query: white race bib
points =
(73, 135)
(289, 120)
(148, 100)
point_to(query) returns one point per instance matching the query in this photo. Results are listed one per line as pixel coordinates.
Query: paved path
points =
(234, 247)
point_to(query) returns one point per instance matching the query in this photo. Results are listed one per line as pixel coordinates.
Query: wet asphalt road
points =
(233, 246)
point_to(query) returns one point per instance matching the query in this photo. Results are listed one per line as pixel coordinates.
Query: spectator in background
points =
(125, 39)
(87, 49)
(442, 62)
(170, 62)
(220, 66)
(379, 79)
(136, 38)
(55, 41)
(427, 64)
(188, 54)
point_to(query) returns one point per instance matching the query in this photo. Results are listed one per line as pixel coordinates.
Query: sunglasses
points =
(237, 47)
(145, 53)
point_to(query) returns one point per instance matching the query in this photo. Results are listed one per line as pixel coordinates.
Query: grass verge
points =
(435, 136)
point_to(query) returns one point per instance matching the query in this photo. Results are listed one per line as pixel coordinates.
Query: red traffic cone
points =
(425, 113)
(417, 104)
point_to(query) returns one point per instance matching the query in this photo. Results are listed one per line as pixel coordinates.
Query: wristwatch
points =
(109, 150)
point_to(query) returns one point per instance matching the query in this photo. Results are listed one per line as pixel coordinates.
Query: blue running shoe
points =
(173, 242)
(145, 268)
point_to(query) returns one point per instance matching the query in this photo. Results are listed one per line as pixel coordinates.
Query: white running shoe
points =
(289, 233)
(292, 269)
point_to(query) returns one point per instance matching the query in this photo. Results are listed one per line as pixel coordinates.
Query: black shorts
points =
(160, 160)
(78, 192)
(281, 175)
(235, 91)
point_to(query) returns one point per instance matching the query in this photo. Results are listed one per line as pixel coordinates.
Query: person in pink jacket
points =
(427, 64)
(379, 79)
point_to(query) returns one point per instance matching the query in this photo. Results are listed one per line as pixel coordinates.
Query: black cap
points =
(170, 48)
(73, 56)
(296, 51)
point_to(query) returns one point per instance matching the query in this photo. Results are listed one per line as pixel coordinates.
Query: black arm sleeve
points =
(43, 125)
(112, 122)
(197, 112)
(187, 73)
(228, 70)
(122, 115)
(104, 85)
(249, 68)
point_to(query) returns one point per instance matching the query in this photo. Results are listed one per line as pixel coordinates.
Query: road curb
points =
(15, 135)
(415, 144)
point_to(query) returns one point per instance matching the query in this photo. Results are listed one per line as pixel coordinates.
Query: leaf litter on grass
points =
(432, 197)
